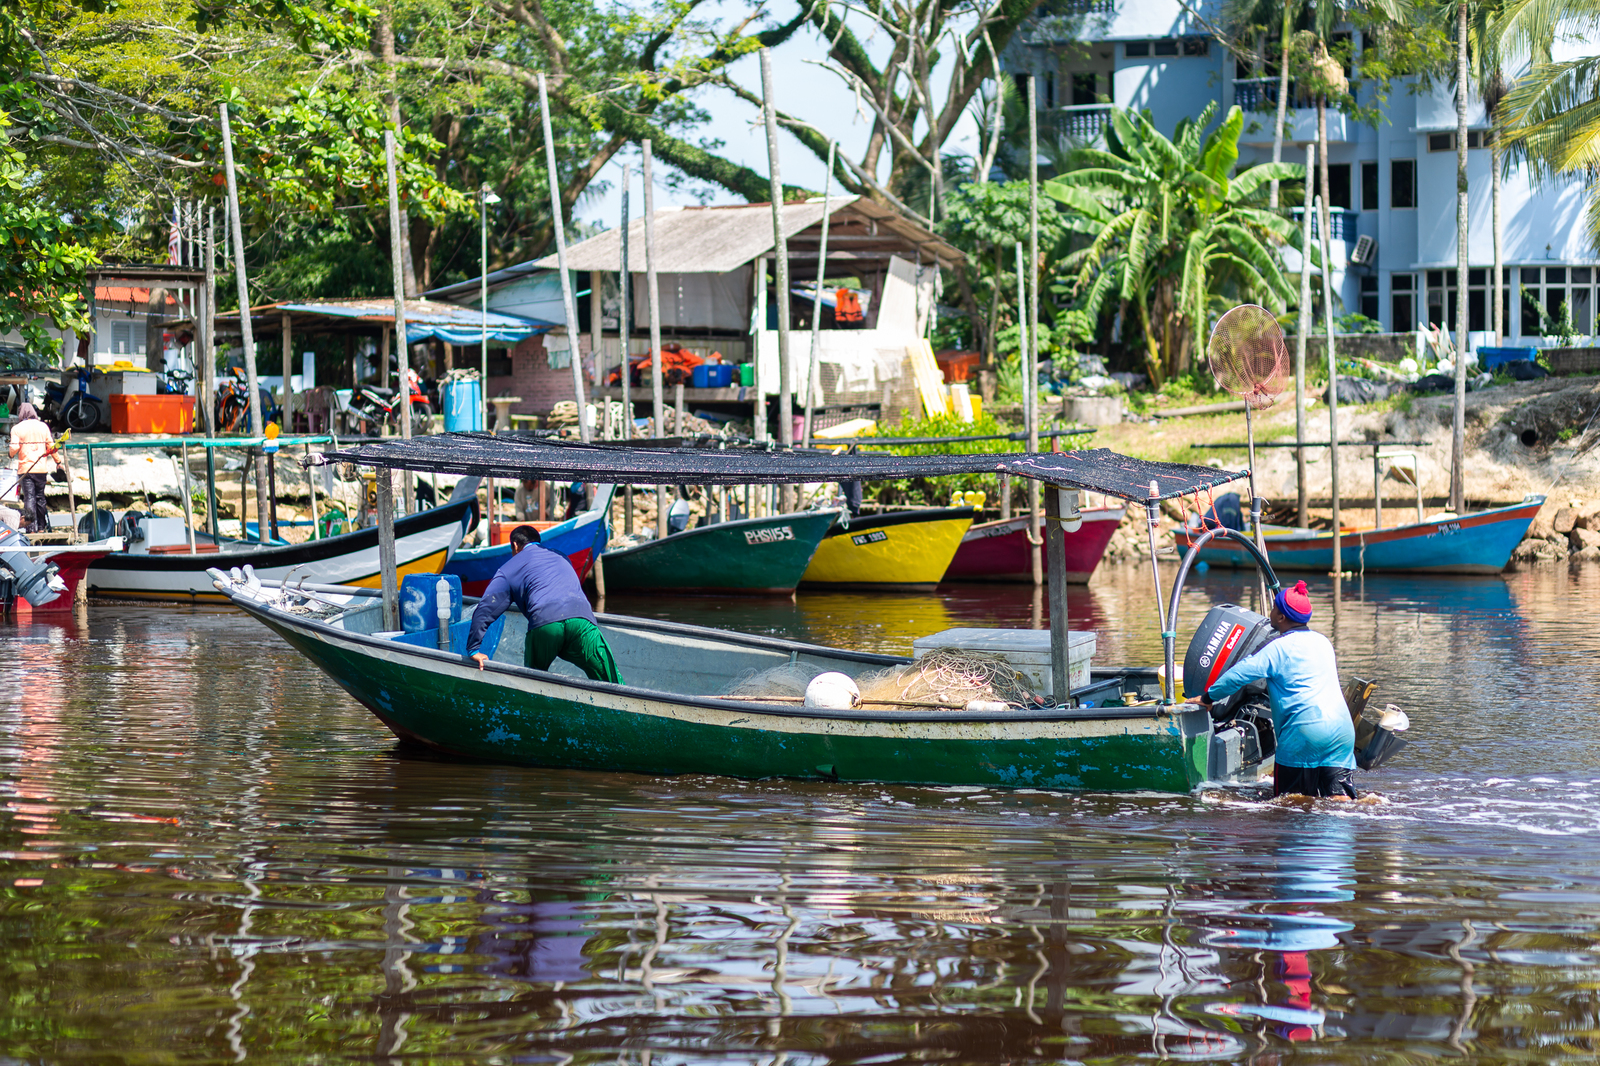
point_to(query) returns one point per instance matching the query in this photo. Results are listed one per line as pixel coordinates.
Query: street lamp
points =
(486, 197)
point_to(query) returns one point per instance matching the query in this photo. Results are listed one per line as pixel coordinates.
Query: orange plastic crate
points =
(132, 413)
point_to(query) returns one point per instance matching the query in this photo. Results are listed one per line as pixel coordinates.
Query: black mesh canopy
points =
(487, 455)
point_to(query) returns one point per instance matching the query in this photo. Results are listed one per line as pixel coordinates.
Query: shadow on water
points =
(208, 852)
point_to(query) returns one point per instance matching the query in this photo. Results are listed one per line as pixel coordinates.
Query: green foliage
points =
(987, 220)
(42, 258)
(936, 491)
(1170, 226)
(1355, 322)
(1559, 326)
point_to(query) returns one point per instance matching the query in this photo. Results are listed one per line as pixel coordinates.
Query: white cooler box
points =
(1028, 650)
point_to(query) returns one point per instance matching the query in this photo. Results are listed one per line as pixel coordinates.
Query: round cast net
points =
(1247, 355)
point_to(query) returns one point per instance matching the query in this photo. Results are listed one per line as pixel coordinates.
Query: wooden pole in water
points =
(212, 502)
(386, 552)
(1031, 361)
(402, 348)
(814, 369)
(1055, 542)
(1333, 378)
(246, 327)
(624, 324)
(311, 490)
(652, 297)
(780, 252)
(94, 496)
(286, 335)
(1302, 333)
(568, 303)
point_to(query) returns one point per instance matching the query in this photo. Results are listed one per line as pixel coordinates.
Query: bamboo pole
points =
(286, 335)
(624, 334)
(780, 252)
(568, 303)
(814, 371)
(188, 502)
(311, 490)
(402, 347)
(246, 327)
(1060, 635)
(1302, 332)
(1032, 360)
(207, 384)
(653, 302)
(1333, 379)
(386, 550)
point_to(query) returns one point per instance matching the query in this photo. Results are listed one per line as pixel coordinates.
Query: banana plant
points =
(1169, 225)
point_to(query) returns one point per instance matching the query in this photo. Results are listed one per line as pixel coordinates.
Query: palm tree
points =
(1169, 225)
(1255, 15)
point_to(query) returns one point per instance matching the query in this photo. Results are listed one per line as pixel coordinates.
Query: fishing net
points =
(1248, 357)
(789, 680)
(949, 678)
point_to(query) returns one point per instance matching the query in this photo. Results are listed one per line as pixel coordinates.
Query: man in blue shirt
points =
(545, 589)
(1316, 738)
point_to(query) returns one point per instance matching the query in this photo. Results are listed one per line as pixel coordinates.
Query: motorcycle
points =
(233, 404)
(377, 407)
(77, 408)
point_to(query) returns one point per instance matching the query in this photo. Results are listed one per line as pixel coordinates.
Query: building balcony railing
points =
(1341, 223)
(1083, 122)
(1261, 94)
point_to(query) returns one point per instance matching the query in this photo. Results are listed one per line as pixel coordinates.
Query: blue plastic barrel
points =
(463, 405)
(419, 601)
(1489, 358)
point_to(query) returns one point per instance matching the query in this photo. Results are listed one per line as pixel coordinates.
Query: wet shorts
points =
(1313, 781)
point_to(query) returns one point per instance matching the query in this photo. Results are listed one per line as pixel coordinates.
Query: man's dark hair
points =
(523, 536)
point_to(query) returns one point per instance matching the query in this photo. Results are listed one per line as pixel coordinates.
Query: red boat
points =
(999, 551)
(71, 564)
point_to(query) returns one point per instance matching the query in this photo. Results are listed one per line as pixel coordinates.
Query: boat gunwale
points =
(1090, 514)
(1299, 540)
(733, 525)
(263, 611)
(317, 550)
(886, 519)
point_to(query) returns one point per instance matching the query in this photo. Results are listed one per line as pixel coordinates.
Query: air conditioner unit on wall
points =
(1365, 252)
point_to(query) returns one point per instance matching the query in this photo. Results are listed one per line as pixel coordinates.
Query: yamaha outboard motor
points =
(1228, 634)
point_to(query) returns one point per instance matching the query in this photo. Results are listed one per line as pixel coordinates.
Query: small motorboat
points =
(762, 556)
(892, 550)
(999, 551)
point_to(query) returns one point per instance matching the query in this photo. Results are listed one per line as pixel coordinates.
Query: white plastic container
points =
(1028, 650)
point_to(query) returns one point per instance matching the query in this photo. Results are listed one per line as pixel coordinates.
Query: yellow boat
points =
(907, 550)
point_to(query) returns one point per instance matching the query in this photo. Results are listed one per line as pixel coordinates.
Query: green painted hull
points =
(514, 715)
(753, 555)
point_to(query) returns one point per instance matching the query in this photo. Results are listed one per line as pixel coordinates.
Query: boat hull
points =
(580, 539)
(423, 544)
(999, 551)
(1479, 543)
(763, 556)
(905, 550)
(515, 715)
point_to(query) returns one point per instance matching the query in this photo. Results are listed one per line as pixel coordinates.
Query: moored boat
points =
(901, 550)
(999, 551)
(1476, 543)
(580, 538)
(152, 570)
(764, 556)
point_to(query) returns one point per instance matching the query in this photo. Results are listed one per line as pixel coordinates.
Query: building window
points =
(1136, 49)
(1083, 92)
(1442, 299)
(1167, 47)
(1441, 142)
(1338, 191)
(1402, 183)
(1548, 288)
(1402, 302)
(1369, 187)
(1196, 46)
(1369, 296)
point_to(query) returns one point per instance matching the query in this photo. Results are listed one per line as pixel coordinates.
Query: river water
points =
(208, 853)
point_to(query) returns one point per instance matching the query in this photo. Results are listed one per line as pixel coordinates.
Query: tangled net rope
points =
(946, 677)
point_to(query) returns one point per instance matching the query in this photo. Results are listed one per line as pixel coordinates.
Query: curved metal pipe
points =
(1169, 632)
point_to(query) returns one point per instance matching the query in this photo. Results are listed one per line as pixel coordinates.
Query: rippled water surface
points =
(208, 853)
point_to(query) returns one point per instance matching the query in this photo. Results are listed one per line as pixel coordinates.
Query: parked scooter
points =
(78, 408)
(377, 408)
(233, 404)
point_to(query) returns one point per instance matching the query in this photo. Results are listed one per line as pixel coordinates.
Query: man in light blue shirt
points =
(1316, 738)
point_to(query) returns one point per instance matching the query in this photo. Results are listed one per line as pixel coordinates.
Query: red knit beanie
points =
(1295, 603)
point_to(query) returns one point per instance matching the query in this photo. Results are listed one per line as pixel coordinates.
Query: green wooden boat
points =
(763, 556)
(669, 719)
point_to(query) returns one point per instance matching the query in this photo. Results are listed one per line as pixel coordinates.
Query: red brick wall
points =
(540, 387)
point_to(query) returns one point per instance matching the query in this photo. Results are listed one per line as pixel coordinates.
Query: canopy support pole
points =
(653, 305)
(311, 489)
(287, 336)
(211, 494)
(568, 303)
(1302, 331)
(1030, 351)
(188, 503)
(814, 370)
(1333, 372)
(1152, 515)
(94, 496)
(386, 553)
(1060, 634)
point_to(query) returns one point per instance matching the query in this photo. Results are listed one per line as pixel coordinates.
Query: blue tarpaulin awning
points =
(425, 320)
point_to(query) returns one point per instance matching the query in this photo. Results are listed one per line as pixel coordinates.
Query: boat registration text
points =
(768, 536)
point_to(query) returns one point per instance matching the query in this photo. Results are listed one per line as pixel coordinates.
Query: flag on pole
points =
(174, 241)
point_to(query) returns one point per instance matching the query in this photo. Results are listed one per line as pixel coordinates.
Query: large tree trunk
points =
(1458, 428)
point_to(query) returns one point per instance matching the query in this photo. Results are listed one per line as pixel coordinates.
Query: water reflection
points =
(209, 850)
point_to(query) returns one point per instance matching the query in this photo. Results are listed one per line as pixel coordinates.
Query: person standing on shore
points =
(34, 451)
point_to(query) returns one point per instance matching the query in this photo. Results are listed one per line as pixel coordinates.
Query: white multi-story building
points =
(1393, 181)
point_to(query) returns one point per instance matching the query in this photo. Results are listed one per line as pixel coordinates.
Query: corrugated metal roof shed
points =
(715, 240)
(424, 319)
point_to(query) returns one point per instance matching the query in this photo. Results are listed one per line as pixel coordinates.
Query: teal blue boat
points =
(760, 556)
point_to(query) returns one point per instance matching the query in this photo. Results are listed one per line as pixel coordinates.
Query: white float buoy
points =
(833, 691)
